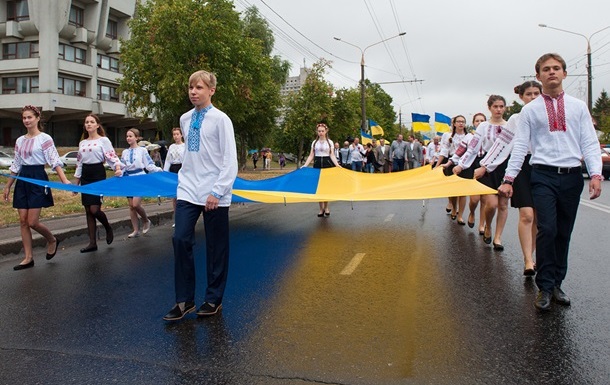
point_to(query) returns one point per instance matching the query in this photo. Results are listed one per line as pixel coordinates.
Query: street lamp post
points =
(363, 124)
(589, 72)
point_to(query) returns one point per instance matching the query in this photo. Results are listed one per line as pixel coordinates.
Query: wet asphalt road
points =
(428, 303)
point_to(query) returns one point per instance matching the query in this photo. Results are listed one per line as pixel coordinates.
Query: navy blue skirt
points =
(28, 195)
(92, 173)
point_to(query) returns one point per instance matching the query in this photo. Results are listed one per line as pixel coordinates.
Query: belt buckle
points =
(563, 170)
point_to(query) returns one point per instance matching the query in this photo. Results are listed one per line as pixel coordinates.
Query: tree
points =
(379, 107)
(515, 108)
(346, 114)
(170, 39)
(305, 108)
(601, 114)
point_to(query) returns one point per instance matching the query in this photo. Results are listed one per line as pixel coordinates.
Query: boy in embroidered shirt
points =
(560, 131)
(205, 180)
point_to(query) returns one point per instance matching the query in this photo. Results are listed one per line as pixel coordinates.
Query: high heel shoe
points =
(471, 224)
(50, 256)
(88, 249)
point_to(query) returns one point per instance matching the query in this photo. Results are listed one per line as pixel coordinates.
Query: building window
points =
(112, 29)
(108, 63)
(70, 53)
(24, 50)
(68, 86)
(17, 10)
(20, 85)
(105, 92)
(76, 16)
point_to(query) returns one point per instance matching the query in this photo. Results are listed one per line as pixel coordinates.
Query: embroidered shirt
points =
(91, 151)
(34, 151)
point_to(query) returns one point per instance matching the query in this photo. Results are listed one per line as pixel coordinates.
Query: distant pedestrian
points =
(254, 159)
(136, 160)
(175, 156)
(357, 155)
(399, 154)
(382, 153)
(323, 156)
(268, 158)
(204, 187)
(369, 157)
(344, 156)
(281, 160)
(93, 151)
(33, 151)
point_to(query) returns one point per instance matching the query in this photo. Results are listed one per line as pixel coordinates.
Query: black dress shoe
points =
(543, 301)
(177, 314)
(471, 224)
(498, 247)
(560, 297)
(88, 249)
(24, 266)
(50, 256)
(109, 235)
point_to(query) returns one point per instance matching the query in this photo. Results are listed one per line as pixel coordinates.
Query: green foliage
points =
(379, 108)
(171, 39)
(305, 108)
(601, 114)
(515, 108)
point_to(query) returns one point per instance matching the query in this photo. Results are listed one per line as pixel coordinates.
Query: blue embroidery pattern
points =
(194, 136)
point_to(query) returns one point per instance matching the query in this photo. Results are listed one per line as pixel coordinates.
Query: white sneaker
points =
(135, 234)
(146, 226)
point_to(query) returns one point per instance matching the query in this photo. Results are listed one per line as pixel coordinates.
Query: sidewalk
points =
(75, 225)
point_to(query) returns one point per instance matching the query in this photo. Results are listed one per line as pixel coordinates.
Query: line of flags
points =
(421, 123)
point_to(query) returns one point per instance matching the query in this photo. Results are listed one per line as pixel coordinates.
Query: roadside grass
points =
(67, 203)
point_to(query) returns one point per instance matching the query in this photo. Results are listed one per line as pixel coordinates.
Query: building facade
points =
(63, 57)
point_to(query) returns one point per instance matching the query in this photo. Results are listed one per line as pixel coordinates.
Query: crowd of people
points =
(533, 160)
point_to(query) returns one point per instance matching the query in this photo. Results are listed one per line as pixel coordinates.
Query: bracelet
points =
(598, 177)
(508, 182)
(217, 196)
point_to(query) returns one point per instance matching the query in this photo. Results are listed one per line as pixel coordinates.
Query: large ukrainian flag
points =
(375, 128)
(442, 123)
(420, 122)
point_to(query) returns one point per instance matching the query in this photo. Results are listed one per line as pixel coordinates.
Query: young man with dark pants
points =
(205, 180)
(559, 131)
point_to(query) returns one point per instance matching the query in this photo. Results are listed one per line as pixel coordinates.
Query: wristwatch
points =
(507, 182)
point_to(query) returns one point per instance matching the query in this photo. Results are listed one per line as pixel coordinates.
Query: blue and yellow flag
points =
(375, 128)
(420, 122)
(365, 138)
(442, 123)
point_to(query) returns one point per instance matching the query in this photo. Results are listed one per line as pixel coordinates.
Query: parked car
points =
(69, 158)
(605, 153)
(5, 160)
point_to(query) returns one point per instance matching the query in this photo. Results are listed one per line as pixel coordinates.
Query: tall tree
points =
(305, 108)
(170, 39)
(346, 114)
(601, 114)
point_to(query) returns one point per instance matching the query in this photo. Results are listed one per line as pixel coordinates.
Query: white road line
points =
(389, 217)
(353, 264)
(595, 205)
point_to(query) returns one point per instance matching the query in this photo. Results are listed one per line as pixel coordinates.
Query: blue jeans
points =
(216, 224)
(398, 165)
(369, 167)
(356, 166)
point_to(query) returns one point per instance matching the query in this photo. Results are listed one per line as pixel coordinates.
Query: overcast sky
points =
(462, 51)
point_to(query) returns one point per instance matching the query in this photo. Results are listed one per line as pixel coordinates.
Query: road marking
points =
(389, 217)
(353, 264)
(596, 206)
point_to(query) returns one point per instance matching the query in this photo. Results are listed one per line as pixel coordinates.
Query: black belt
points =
(558, 170)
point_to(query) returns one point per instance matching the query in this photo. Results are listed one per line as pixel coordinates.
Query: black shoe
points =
(461, 223)
(109, 235)
(498, 247)
(471, 224)
(320, 215)
(88, 249)
(24, 266)
(177, 314)
(209, 309)
(50, 256)
(543, 301)
(485, 238)
(327, 213)
(529, 272)
(560, 297)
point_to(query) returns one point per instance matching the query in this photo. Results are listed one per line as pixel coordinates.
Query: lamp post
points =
(589, 73)
(363, 125)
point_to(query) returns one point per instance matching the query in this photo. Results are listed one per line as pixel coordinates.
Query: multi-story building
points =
(63, 57)
(294, 83)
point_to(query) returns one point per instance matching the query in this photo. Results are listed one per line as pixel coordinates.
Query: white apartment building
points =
(294, 83)
(63, 57)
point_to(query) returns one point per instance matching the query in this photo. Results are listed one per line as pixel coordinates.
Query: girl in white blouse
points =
(93, 151)
(136, 159)
(323, 156)
(175, 154)
(32, 152)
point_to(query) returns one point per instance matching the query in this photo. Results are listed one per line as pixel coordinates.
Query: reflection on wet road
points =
(384, 293)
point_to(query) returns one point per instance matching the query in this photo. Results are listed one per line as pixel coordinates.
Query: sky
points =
(460, 52)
